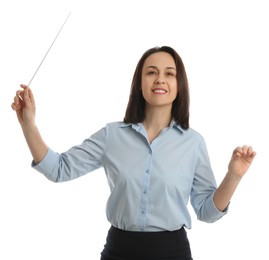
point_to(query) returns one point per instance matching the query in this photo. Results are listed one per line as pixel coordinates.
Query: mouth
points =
(159, 91)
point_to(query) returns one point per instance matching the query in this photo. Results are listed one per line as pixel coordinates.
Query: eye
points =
(151, 72)
(171, 74)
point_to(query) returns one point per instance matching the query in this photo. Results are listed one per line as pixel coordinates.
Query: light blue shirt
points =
(150, 183)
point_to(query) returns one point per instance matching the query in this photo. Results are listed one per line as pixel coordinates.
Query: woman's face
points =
(159, 82)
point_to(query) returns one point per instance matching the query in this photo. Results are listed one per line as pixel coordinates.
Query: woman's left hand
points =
(241, 160)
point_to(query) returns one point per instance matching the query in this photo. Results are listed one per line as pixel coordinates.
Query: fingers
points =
(18, 101)
(23, 97)
(248, 150)
(30, 95)
(14, 106)
(245, 150)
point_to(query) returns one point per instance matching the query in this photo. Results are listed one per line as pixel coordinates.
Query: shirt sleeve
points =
(204, 187)
(75, 162)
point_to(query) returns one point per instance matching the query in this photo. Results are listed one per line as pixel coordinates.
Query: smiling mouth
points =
(159, 91)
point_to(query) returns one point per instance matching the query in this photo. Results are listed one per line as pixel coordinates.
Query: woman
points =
(153, 160)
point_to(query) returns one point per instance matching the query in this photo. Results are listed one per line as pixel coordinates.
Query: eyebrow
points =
(155, 67)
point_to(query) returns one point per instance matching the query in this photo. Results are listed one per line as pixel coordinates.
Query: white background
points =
(85, 82)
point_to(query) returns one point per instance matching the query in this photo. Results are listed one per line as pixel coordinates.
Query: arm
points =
(24, 105)
(241, 160)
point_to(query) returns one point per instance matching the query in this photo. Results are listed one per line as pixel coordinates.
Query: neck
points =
(157, 118)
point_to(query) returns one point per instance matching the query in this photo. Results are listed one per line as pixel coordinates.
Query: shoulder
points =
(198, 139)
(189, 133)
(109, 129)
(115, 125)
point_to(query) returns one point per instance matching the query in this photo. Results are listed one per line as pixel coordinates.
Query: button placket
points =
(145, 193)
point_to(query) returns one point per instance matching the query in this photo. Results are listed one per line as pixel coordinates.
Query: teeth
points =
(159, 91)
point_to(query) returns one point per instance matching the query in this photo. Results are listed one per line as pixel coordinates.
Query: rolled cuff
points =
(212, 211)
(48, 166)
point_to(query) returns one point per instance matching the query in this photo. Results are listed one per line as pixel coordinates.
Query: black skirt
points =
(165, 245)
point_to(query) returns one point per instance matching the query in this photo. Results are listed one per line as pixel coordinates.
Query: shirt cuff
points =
(214, 211)
(48, 165)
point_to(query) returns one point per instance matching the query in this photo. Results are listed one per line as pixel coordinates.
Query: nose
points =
(160, 79)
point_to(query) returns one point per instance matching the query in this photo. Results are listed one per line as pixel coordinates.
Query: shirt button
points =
(147, 171)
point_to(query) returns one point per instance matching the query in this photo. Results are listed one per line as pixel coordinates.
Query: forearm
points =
(226, 190)
(37, 146)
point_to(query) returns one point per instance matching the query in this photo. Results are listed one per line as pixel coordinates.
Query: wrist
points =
(29, 127)
(233, 176)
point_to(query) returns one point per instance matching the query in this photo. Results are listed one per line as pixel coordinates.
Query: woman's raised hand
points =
(241, 160)
(24, 105)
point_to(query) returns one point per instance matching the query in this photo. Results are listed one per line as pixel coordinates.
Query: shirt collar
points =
(137, 126)
(176, 126)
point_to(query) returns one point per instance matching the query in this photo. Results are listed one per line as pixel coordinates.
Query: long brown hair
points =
(135, 112)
